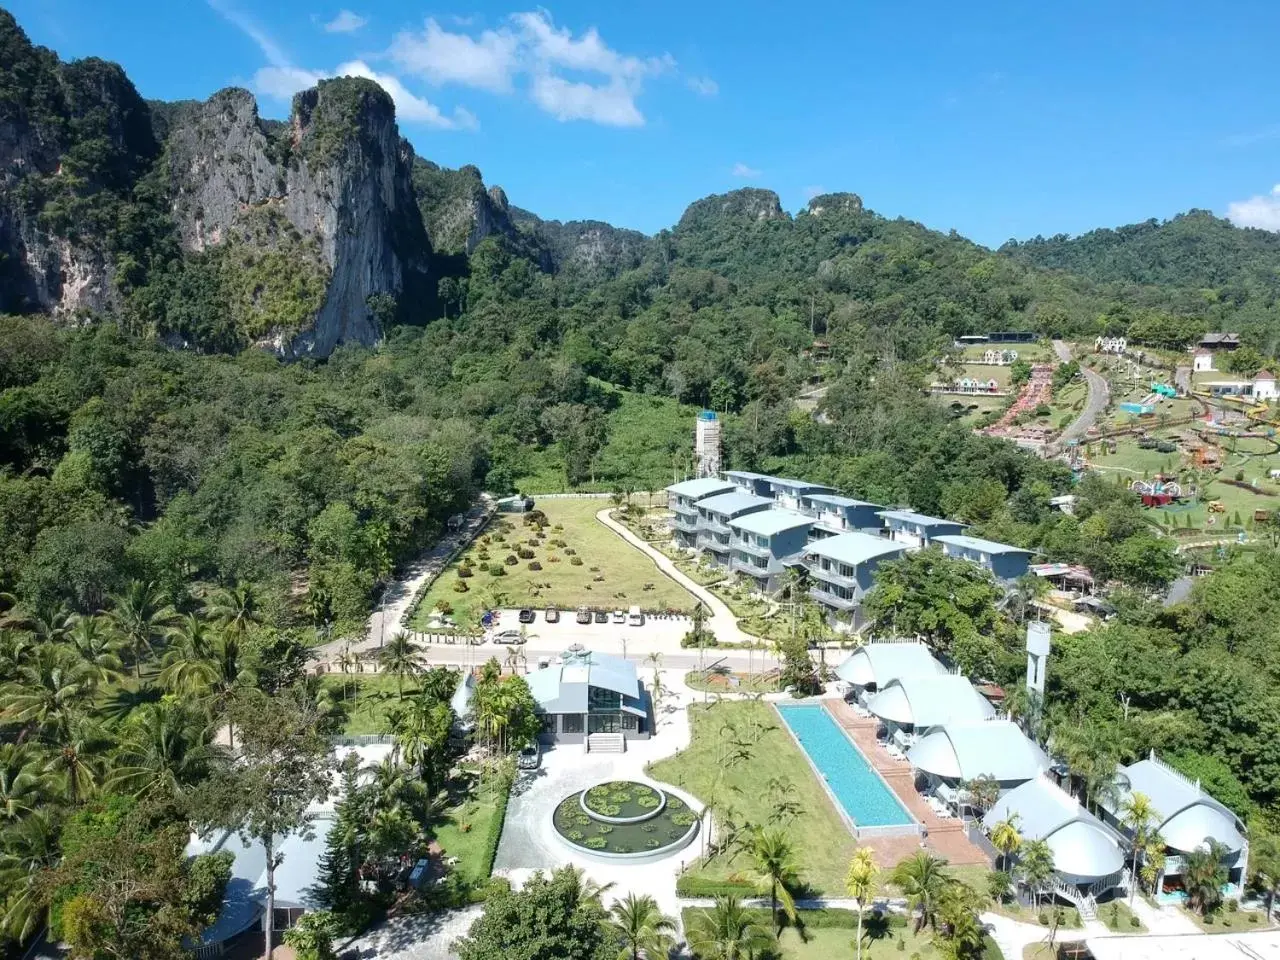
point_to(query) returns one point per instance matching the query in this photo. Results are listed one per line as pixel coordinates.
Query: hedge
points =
(495, 828)
(834, 918)
(688, 885)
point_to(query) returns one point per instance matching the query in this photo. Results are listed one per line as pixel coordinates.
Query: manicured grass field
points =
(713, 769)
(366, 698)
(612, 574)
(465, 830)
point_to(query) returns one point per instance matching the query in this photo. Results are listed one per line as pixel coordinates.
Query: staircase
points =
(606, 743)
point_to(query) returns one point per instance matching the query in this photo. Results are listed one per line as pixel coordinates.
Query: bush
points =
(464, 571)
(460, 586)
(1239, 476)
(569, 551)
(575, 561)
(596, 843)
(525, 553)
(495, 570)
(444, 607)
(486, 539)
(499, 538)
(511, 560)
(534, 565)
(553, 559)
(558, 527)
(690, 886)
(1134, 922)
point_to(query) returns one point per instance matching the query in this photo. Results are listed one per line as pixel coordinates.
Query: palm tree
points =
(77, 763)
(187, 667)
(1203, 876)
(1153, 860)
(28, 848)
(643, 929)
(235, 609)
(165, 749)
(923, 879)
(1007, 839)
(47, 692)
(96, 648)
(860, 884)
(727, 932)
(775, 870)
(1264, 861)
(137, 617)
(1035, 866)
(401, 658)
(1138, 816)
(346, 661)
(21, 785)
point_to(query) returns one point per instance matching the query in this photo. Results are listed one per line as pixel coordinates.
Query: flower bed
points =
(625, 820)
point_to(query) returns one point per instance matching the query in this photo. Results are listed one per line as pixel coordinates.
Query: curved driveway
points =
(1099, 397)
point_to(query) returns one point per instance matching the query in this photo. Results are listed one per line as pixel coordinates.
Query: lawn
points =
(1224, 920)
(718, 682)
(466, 829)
(365, 698)
(1031, 352)
(613, 573)
(713, 769)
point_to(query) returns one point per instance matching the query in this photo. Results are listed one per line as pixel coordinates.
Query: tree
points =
(726, 931)
(1035, 866)
(961, 935)
(235, 609)
(401, 658)
(1138, 816)
(1264, 863)
(774, 860)
(313, 935)
(922, 879)
(138, 616)
(1006, 838)
(165, 750)
(283, 767)
(187, 666)
(1203, 877)
(643, 929)
(553, 916)
(860, 884)
(96, 648)
(982, 791)
(21, 786)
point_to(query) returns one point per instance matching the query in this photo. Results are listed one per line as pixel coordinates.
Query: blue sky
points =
(998, 119)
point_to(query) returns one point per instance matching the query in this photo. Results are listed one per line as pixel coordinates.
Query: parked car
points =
(636, 617)
(584, 615)
(530, 757)
(527, 615)
(552, 615)
(508, 636)
(619, 616)
(602, 617)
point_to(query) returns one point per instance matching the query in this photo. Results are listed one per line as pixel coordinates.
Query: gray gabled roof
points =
(839, 500)
(791, 484)
(1083, 849)
(701, 487)
(927, 701)
(768, 522)
(748, 475)
(854, 548)
(990, 547)
(966, 751)
(562, 687)
(879, 663)
(733, 504)
(919, 519)
(1188, 815)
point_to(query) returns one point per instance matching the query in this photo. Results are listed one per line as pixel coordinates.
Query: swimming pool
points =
(855, 785)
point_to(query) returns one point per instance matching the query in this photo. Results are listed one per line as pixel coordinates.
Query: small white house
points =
(1264, 386)
(1202, 361)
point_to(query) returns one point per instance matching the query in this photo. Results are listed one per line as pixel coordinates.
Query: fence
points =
(362, 740)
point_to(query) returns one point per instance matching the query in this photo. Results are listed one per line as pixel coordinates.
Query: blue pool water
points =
(858, 788)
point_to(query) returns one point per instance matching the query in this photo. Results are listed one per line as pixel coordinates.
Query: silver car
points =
(508, 636)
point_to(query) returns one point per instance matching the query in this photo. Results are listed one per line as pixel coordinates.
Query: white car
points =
(619, 616)
(508, 636)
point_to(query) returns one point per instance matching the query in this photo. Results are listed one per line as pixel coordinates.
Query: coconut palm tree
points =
(187, 666)
(21, 784)
(727, 931)
(28, 848)
(1203, 876)
(1264, 862)
(76, 764)
(1035, 867)
(1007, 839)
(1153, 860)
(642, 928)
(1138, 816)
(235, 609)
(165, 750)
(860, 884)
(138, 617)
(47, 692)
(348, 661)
(401, 658)
(774, 860)
(96, 647)
(923, 880)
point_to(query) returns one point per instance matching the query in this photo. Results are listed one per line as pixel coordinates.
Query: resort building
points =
(915, 529)
(763, 541)
(1202, 361)
(924, 701)
(1004, 561)
(1087, 855)
(834, 514)
(758, 483)
(790, 494)
(1187, 818)
(1219, 341)
(875, 665)
(1264, 386)
(955, 752)
(589, 693)
(682, 498)
(843, 568)
(715, 537)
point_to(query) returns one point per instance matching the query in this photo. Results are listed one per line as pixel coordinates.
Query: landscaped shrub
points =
(553, 559)
(653, 843)
(683, 819)
(594, 569)
(569, 551)
(648, 802)
(495, 827)
(1135, 922)
(444, 607)
(525, 553)
(465, 571)
(691, 886)
(460, 586)
(511, 560)
(575, 561)
(534, 565)
(495, 570)
(499, 538)
(596, 843)
(558, 527)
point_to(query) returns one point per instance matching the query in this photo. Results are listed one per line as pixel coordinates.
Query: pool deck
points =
(945, 838)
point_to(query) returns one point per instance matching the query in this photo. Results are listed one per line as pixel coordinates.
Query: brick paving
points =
(945, 838)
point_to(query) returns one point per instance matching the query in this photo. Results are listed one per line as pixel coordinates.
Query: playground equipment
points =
(1157, 492)
(1217, 506)
(1164, 390)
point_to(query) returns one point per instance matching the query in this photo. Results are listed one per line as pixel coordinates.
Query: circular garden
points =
(625, 820)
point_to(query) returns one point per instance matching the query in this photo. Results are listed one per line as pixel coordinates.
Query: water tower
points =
(1038, 638)
(706, 444)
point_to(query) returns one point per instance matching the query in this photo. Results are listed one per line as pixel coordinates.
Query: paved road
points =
(1099, 396)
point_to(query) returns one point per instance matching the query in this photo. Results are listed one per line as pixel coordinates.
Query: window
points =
(549, 724)
(762, 542)
(599, 699)
(629, 722)
(572, 723)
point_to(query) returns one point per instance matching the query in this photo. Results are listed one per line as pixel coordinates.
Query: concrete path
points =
(722, 622)
(1163, 920)
(1099, 397)
(1013, 936)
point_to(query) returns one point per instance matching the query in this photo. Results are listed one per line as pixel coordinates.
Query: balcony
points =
(708, 542)
(831, 575)
(752, 548)
(750, 569)
(684, 509)
(687, 524)
(715, 525)
(828, 599)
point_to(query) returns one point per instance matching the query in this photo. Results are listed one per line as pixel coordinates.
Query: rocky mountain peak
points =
(748, 203)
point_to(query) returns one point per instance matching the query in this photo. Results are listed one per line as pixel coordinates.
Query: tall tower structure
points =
(1038, 639)
(706, 444)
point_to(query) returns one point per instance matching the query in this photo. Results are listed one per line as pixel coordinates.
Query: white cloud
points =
(703, 86)
(281, 83)
(611, 104)
(589, 53)
(275, 56)
(345, 22)
(745, 172)
(1261, 211)
(486, 62)
(410, 108)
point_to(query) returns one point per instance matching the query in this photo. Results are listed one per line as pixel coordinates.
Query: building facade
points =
(1004, 561)
(588, 693)
(765, 543)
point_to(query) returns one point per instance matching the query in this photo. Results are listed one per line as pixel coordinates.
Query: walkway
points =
(1099, 397)
(946, 838)
(1163, 920)
(722, 622)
